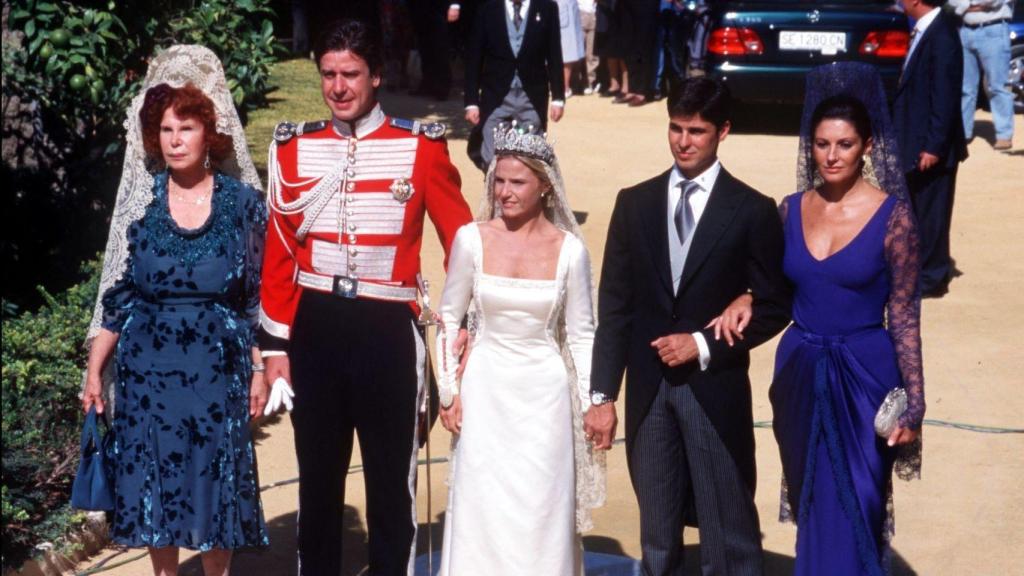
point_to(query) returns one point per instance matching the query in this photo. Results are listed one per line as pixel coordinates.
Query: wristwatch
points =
(598, 398)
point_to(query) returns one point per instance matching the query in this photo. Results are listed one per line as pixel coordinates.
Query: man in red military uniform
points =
(338, 318)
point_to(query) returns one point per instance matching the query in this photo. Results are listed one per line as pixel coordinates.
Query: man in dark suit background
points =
(430, 21)
(513, 58)
(681, 247)
(926, 113)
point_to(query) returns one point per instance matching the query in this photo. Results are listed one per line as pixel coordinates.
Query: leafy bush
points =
(43, 358)
(70, 69)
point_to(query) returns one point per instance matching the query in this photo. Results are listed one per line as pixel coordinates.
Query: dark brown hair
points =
(187, 102)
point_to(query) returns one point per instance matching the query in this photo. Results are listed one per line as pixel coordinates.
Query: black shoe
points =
(936, 292)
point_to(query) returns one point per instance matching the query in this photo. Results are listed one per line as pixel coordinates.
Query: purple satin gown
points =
(855, 336)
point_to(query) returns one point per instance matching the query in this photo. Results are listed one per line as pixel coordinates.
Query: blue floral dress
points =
(187, 310)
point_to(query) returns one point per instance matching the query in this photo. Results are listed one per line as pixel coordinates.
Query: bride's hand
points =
(734, 319)
(451, 417)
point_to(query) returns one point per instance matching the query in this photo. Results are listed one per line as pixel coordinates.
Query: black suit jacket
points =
(738, 245)
(491, 65)
(926, 110)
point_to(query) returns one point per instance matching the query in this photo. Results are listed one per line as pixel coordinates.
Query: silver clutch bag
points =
(889, 412)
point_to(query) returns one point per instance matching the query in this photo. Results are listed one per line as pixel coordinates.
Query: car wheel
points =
(1017, 77)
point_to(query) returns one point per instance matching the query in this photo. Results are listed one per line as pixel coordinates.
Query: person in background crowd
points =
(985, 36)
(588, 22)
(697, 43)
(673, 34)
(430, 22)
(926, 113)
(571, 34)
(641, 57)
(348, 198)
(513, 64)
(397, 33)
(178, 310)
(611, 43)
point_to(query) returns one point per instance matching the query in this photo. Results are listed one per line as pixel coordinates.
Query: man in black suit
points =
(430, 22)
(926, 113)
(681, 247)
(513, 58)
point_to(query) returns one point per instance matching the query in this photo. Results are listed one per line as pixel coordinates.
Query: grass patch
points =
(295, 98)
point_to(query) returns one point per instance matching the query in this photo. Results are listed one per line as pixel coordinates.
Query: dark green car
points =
(763, 49)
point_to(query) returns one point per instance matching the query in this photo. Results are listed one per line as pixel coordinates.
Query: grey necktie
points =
(517, 10)
(684, 213)
(910, 47)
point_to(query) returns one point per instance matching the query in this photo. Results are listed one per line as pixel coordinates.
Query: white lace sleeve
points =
(579, 318)
(455, 299)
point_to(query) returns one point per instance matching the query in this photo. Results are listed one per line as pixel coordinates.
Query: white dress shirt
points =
(698, 201)
(919, 28)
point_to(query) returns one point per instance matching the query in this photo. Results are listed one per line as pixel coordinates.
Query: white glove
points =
(280, 393)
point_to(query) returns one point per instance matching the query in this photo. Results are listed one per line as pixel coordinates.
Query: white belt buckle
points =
(345, 286)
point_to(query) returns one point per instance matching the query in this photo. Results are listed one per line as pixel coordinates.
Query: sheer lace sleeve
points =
(579, 317)
(902, 253)
(455, 299)
(254, 219)
(119, 299)
(902, 247)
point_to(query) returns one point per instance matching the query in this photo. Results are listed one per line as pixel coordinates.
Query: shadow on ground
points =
(280, 557)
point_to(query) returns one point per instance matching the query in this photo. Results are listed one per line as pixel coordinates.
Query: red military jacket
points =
(344, 204)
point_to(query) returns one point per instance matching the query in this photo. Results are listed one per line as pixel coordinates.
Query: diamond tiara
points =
(520, 140)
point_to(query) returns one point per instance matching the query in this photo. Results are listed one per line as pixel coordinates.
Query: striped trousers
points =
(679, 466)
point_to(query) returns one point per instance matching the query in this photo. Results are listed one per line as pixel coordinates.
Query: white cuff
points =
(472, 107)
(558, 103)
(269, 353)
(455, 6)
(704, 353)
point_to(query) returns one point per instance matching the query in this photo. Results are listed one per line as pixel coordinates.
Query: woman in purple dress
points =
(852, 256)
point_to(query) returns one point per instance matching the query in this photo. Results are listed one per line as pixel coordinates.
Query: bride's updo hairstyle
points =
(843, 107)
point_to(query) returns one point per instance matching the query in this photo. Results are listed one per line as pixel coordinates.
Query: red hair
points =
(187, 102)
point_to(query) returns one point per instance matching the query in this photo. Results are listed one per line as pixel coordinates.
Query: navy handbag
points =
(94, 483)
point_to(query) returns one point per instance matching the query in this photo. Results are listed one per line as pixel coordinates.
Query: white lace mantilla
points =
(176, 66)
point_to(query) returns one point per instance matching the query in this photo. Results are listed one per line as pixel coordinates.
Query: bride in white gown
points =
(522, 476)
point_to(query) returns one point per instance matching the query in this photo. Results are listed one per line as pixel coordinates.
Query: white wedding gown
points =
(512, 502)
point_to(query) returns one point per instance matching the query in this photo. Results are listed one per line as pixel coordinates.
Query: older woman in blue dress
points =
(177, 312)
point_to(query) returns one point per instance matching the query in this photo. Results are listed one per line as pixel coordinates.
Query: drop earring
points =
(206, 163)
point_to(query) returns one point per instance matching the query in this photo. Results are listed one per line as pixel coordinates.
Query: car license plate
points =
(828, 43)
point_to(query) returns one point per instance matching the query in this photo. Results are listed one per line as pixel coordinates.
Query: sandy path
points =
(964, 517)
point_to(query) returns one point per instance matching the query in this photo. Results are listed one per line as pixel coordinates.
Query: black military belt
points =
(989, 23)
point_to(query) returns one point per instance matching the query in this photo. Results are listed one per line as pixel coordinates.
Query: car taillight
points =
(886, 43)
(733, 41)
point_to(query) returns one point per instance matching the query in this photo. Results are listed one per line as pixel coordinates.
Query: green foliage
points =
(242, 35)
(70, 69)
(72, 61)
(43, 356)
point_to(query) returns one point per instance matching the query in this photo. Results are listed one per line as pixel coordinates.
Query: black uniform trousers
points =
(931, 194)
(680, 468)
(354, 368)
